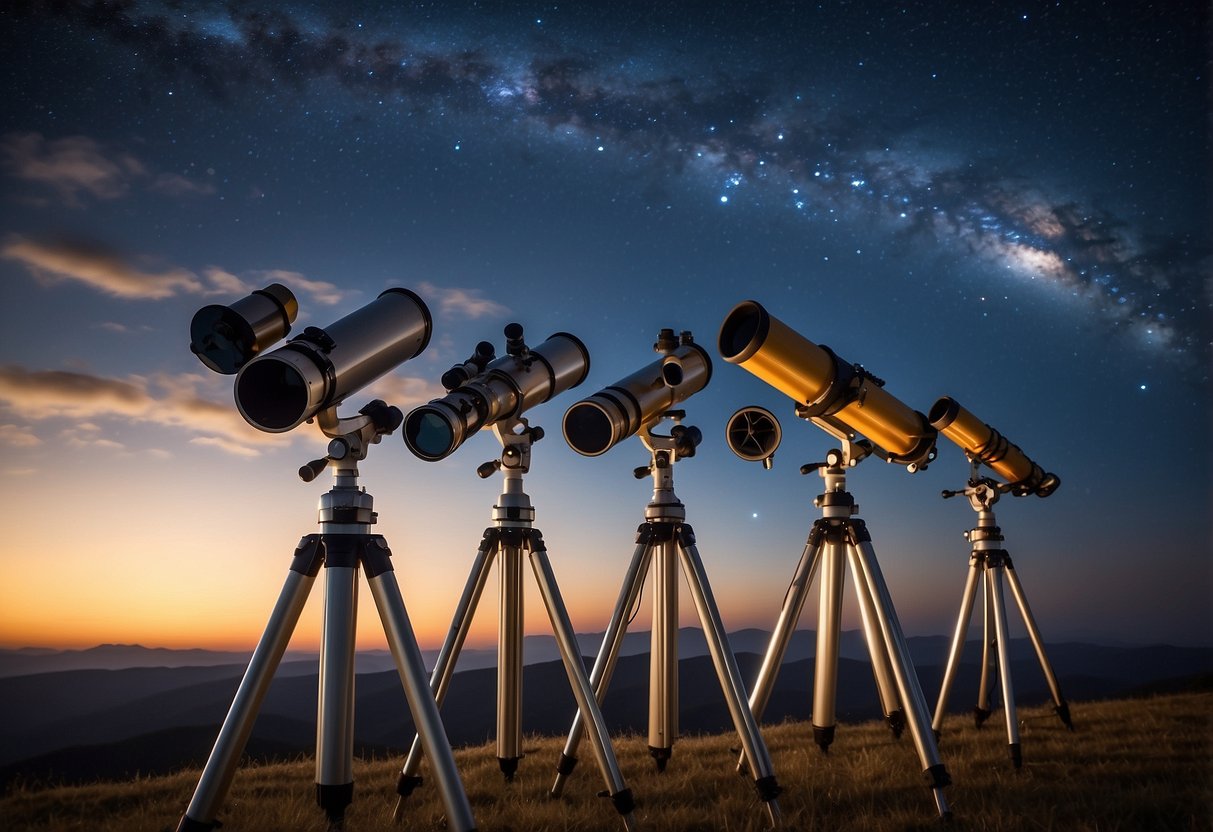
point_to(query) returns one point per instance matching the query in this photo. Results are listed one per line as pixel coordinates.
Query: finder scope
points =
(501, 388)
(598, 423)
(825, 386)
(279, 390)
(984, 444)
(225, 338)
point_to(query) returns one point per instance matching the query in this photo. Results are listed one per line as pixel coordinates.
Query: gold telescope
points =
(984, 444)
(825, 386)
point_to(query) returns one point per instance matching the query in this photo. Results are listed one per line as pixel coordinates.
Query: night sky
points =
(1007, 203)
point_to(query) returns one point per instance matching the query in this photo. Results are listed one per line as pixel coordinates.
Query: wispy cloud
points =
(142, 277)
(404, 392)
(77, 166)
(177, 401)
(18, 436)
(454, 302)
(101, 268)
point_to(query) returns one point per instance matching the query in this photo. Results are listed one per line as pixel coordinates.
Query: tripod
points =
(837, 538)
(989, 562)
(664, 541)
(342, 547)
(510, 537)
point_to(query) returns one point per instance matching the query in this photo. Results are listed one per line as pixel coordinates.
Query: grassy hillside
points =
(1140, 764)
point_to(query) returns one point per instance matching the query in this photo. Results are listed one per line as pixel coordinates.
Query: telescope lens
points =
(739, 331)
(588, 429)
(429, 434)
(273, 395)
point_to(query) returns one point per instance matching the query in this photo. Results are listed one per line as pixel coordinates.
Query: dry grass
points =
(1132, 765)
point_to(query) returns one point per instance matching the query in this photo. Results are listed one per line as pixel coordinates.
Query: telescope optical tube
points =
(815, 377)
(984, 443)
(508, 387)
(280, 390)
(598, 423)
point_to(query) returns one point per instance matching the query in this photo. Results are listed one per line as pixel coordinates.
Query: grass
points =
(1139, 764)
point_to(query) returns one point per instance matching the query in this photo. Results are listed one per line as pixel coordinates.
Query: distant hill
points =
(77, 725)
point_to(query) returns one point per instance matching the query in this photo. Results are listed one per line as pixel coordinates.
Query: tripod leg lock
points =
(767, 788)
(937, 776)
(566, 764)
(407, 784)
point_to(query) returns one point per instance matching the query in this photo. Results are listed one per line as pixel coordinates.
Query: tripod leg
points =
(882, 668)
(755, 748)
(444, 665)
(608, 653)
(917, 716)
(411, 667)
(220, 767)
(958, 640)
(1059, 702)
(789, 615)
(663, 658)
(981, 711)
(829, 621)
(994, 579)
(570, 654)
(335, 709)
(509, 662)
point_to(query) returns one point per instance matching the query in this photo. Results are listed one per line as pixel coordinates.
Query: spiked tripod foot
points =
(661, 756)
(824, 737)
(509, 767)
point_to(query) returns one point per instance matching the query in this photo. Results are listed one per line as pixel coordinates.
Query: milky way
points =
(748, 134)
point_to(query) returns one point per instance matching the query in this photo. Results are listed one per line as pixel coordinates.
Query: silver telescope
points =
(596, 424)
(505, 388)
(225, 338)
(279, 390)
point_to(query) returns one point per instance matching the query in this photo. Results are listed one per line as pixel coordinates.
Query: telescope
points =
(485, 390)
(279, 390)
(225, 338)
(826, 388)
(982, 443)
(598, 423)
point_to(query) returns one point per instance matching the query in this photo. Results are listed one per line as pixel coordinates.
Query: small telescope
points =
(277, 391)
(982, 443)
(485, 390)
(826, 388)
(596, 424)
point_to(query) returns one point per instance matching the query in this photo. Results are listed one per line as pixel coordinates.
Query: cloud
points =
(78, 166)
(404, 392)
(101, 268)
(317, 290)
(176, 401)
(454, 302)
(116, 273)
(18, 437)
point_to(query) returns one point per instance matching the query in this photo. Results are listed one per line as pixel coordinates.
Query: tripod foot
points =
(823, 737)
(509, 767)
(625, 805)
(563, 769)
(661, 756)
(1016, 755)
(333, 799)
(188, 824)
(1063, 712)
(897, 723)
(980, 715)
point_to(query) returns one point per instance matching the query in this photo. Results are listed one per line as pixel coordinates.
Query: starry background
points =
(1006, 203)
